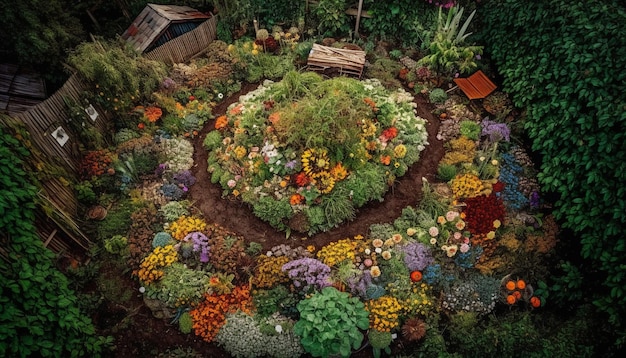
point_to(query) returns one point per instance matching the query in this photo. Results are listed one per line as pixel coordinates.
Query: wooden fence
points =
(47, 123)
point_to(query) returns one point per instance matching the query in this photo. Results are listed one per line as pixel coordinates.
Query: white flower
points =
(378, 250)
(368, 251)
(433, 241)
(278, 328)
(142, 289)
(220, 95)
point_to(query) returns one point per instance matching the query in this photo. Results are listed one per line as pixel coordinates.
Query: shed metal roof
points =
(154, 20)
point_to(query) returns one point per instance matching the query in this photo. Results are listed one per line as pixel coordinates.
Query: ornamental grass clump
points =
(347, 314)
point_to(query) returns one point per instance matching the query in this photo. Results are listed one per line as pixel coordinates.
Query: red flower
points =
(390, 133)
(141, 125)
(481, 212)
(302, 179)
(498, 187)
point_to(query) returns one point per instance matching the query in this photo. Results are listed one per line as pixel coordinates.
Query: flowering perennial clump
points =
(185, 225)
(268, 272)
(481, 212)
(384, 313)
(308, 273)
(151, 267)
(210, 315)
(337, 252)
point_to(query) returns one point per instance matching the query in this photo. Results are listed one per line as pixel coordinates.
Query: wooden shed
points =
(157, 24)
(19, 89)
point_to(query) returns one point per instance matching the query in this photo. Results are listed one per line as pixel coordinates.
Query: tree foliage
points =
(562, 61)
(39, 315)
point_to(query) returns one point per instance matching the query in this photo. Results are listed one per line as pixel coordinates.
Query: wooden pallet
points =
(476, 86)
(346, 61)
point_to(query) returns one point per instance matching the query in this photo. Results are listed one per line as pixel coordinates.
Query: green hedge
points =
(564, 61)
(39, 315)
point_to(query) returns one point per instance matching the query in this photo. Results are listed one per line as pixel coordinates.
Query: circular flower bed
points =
(306, 153)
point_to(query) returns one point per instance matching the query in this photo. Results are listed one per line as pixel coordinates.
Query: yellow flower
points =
(375, 271)
(491, 235)
(255, 52)
(386, 255)
(310, 248)
(496, 223)
(411, 231)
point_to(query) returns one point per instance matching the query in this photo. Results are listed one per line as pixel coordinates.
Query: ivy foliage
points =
(39, 315)
(562, 61)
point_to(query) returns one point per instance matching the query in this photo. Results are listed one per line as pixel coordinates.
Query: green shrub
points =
(40, 314)
(470, 129)
(275, 212)
(446, 172)
(437, 96)
(348, 315)
(545, 77)
(212, 140)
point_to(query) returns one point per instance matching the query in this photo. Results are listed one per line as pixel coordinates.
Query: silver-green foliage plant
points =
(330, 323)
(174, 210)
(281, 343)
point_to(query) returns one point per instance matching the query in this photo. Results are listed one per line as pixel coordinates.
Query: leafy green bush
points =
(437, 96)
(470, 129)
(332, 18)
(321, 339)
(40, 315)
(446, 172)
(565, 76)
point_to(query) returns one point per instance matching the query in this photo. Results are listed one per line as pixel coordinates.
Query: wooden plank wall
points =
(188, 45)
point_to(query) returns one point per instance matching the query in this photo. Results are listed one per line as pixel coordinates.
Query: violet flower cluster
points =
(308, 273)
(184, 179)
(495, 131)
(200, 243)
(417, 256)
(358, 284)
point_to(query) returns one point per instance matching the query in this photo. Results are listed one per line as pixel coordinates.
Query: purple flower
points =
(308, 272)
(185, 178)
(534, 200)
(478, 57)
(291, 164)
(496, 131)
(160, 169)
(417, 256)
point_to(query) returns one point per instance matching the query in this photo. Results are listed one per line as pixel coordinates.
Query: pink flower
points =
(464, 248)
(377, 243)
(367, 262)
(231, 183)
(433, 231)
(451, 215)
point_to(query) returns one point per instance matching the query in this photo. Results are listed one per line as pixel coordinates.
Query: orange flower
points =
(152, 114)
(510, 299)
(535, 302)
(236, 110)
(385, 159)
(141, 125)
(416, 276)
(521, 284)
(274, 118)
(510, 285)
(296, 199)
(221, 122)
